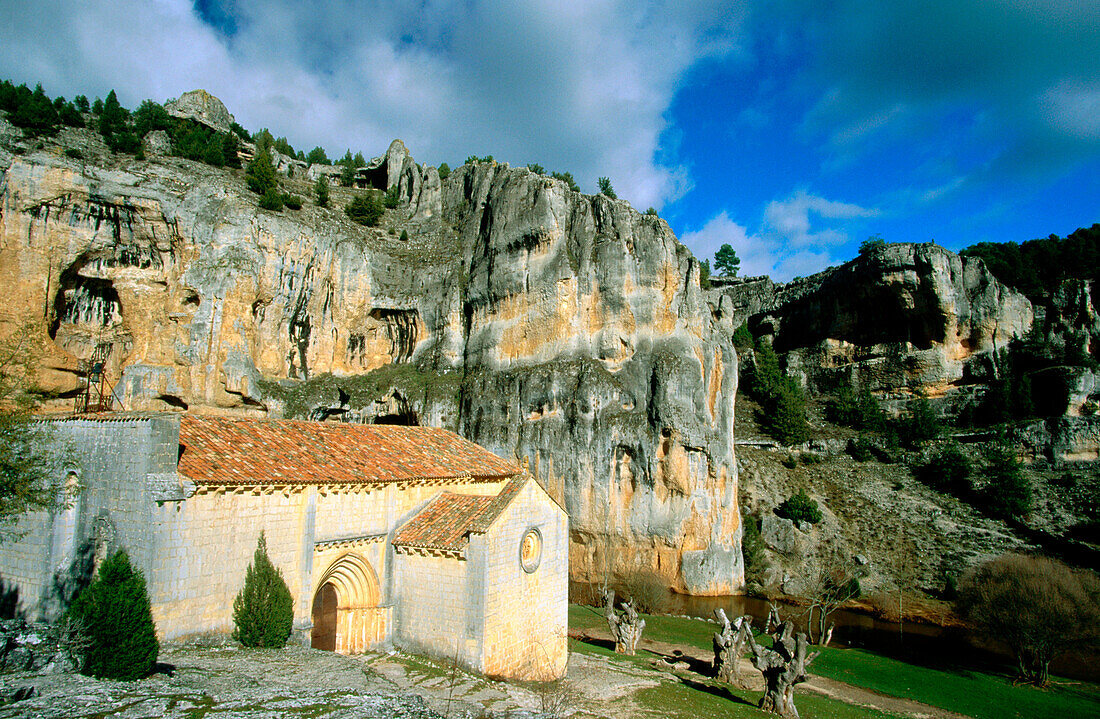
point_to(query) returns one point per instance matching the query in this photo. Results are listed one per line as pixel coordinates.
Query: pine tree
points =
(263, 610)
(114, 610)
(261, 173)
(321, 189)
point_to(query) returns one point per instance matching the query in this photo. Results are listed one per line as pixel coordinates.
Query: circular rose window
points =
(530, 550)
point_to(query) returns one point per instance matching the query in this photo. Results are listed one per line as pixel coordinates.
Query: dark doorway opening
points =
(323, 635)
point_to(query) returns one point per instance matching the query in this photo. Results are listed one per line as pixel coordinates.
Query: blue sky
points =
(790, 129)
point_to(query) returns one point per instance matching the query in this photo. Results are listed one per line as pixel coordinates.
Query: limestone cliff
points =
(897, 318)
(544, 324)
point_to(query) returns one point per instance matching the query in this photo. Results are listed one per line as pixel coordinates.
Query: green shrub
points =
(1007, 494)
(947, 470)
(272, 200)
(871, 244)
(74, 153)
(392, 199)
(799, 507)
(292, 202)
(536, 168)
(444, 171)
(474, 159)
(404, 236)
(919, 425)
(860, 448)
(317, 156)
(114, 610)
(752, 545)
(604, 183)
(651, 211)
(704, 275)
(742, 337)
(860, 411)
(567, 178)
(320, 188)
(790, 461)
(263, 611)
(365, 210)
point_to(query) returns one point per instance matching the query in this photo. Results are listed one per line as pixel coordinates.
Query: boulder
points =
(201, 106)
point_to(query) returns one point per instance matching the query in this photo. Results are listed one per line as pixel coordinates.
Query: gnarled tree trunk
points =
(783, 666)
(729, 641)
(626, 628)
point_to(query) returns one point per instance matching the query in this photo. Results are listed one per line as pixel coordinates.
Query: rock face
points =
(544, 324)
(895, 318)
(201, 106)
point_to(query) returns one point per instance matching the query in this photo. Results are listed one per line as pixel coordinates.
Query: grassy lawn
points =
(676, 698)
(977, 694)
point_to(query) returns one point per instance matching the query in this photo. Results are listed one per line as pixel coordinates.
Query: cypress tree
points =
(114, 610)
(263, 610)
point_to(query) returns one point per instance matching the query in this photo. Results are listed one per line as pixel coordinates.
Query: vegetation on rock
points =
(365, 209)
(320, 189)
(1038, 267)
(783, 408)
(604, 184)
(726, 261)
(263, 611)
(260, 174)
(114, 611)
(800, 507)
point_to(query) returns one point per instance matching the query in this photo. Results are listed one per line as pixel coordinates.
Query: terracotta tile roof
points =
(444, 524)
(448, 520)
(221, 450)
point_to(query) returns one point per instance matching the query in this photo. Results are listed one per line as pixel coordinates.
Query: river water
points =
(916, 642)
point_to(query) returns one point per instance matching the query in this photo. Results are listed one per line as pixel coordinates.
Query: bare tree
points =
(729, 642)
(626, 628)
(831, 583)
(783, 666)
(1037, 606)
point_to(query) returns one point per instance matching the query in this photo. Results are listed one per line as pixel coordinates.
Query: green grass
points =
(689, 698)
(978, 694)
(974, 693)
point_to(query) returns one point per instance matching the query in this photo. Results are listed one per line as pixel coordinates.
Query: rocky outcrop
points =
(201, 106)
(897, 318)
(539, 322)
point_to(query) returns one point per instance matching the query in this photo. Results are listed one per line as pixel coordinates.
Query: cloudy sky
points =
(790, 129)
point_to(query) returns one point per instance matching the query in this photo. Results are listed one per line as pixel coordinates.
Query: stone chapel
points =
(386, 535)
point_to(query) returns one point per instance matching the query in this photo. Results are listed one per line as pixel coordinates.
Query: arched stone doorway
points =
(346, 615)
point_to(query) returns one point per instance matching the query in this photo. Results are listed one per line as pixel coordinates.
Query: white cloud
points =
(790, 241)
(577, 86)
(790, 219)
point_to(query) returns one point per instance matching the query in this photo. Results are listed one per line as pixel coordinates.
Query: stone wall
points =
(116, 466)
(442, 605)
(526, 612)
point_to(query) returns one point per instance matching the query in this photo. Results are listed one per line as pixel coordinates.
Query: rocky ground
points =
(220, 680)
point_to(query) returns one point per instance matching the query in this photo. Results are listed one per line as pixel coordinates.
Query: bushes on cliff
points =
(365, 210)
(114, 611)
(800, 507)
(782, 406)
(1006, 494)
(260, 174)
(263, 611)
(947, 470)
(860, 411)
